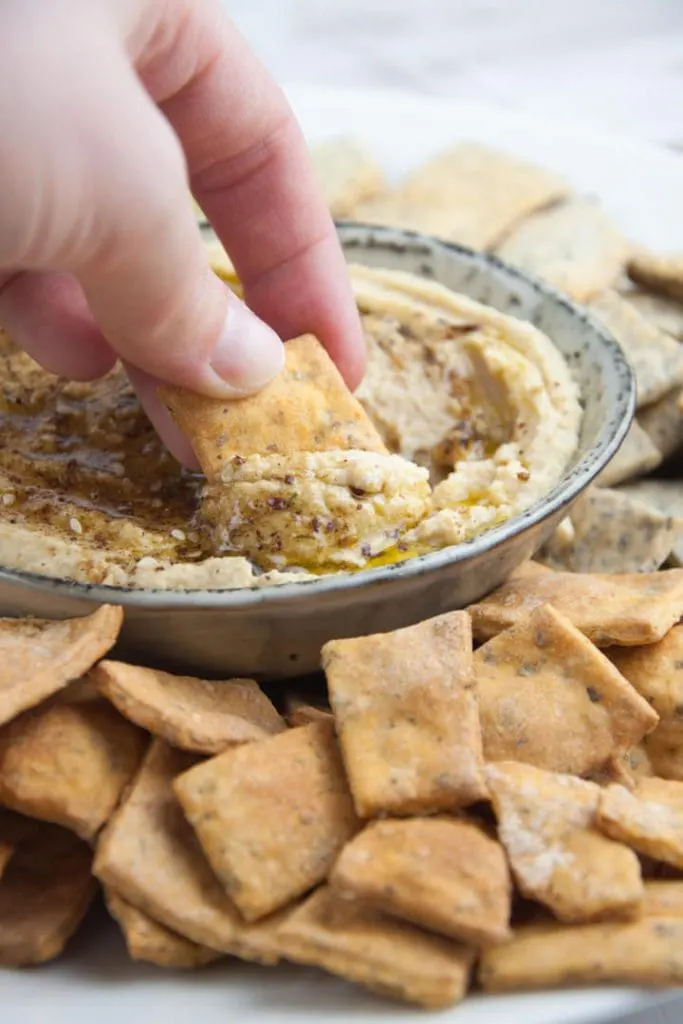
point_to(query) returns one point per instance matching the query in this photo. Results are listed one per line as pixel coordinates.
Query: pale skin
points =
(110, 111)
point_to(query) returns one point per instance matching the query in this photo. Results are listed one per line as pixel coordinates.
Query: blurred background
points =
(615, 63)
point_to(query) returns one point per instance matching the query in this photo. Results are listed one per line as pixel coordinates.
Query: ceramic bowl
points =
(278, 632)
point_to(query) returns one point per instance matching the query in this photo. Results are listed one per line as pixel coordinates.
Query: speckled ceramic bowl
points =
(278, 632)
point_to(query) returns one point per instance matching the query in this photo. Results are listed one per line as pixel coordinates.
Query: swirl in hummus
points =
(471, 415)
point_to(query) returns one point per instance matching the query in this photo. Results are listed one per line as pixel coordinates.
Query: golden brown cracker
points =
(663, 897)
(362, 945)
(665, 750)
(300, 711)
(656, 357)
(626, 610)
(442, 874)
(548, 697)
(637, 456)
(149, 855)
(307, 407)
(573, 245)
(271, 816)
(152, 942)
(546, 822)
(656, 671)
(193, 714)
(644, 952)
(650, 819)
(347, 174)
(44, 895)
(69, 764)
(406, 714)
(662, 275)
(39, 657)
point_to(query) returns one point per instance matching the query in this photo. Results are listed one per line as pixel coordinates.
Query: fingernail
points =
(248, 354)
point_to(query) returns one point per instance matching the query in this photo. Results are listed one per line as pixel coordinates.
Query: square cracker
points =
(573, 245)
(656, 671)
(152, 942)
(626, 610)
(348, 175)
(149, 855)
(44, 895)
(479, 192)
(660, 274)
(613, 533)
(306, 408)
(406, 714)
(656, 358)
(442, 874)
(362, 945)
(636, 457)
(650, 819)
(662, 421)
(550, 698)
(645, 952)
(666, 496)
(546, 822)
(193, 714)
(663, 897)
(69, 764)
(39, 657)
(663, 312)
(271, 816)
(665, 750)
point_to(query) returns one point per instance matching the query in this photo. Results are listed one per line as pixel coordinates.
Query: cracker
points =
(550, 698)
(656, 671)
(662, 421)
(272, 816)
(666, 496)
(300, 711)
(6, 852)
(192, 714)
(44, 895)
(645, 952)
(665, 750)
(649, 820)
(152, 942)
(614, 533)
(573, 246)
(626, 610)
(663, 897)
(306, 408)
(660, 274)
(38, 657)
(347, 173)
(364, 946)
(479, 192)
(149, 855)
(663, 312)
(546, 822)
(637, 456)
(406, 715)
(69, 764)
(442, 874)
(656, 358)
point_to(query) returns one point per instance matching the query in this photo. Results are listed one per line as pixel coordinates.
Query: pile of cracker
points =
(491, 798)
(481, 197)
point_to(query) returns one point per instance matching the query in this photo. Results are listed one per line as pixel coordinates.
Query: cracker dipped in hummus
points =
(466, 417)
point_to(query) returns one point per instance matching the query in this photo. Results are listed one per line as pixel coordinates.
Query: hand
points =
(107, 108)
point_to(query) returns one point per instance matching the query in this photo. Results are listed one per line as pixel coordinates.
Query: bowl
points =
(278, 632)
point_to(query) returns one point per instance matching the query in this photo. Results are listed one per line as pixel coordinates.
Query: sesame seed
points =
(178, 534)
(75, 525)
(9, 498)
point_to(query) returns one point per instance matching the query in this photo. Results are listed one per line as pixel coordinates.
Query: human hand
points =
(108, 108)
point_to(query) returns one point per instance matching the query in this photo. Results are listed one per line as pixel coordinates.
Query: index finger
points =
(251, 172)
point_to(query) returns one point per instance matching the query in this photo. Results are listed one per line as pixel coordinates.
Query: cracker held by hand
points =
(660, 274)
(44, 895)
(387, 956)
(406, 714)
(39, 657)
(193, 714)
(546, 822)
(442, 874)
(650, 819)
(625, 610)
(272, 816)
(69, 764)
(148, 854)
(645, 952)
(307, 408)
(152, 942)
(549, 697)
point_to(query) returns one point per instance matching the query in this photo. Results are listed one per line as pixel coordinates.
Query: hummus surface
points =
(478, 410)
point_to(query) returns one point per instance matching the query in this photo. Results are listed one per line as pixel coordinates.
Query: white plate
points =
(94, 983)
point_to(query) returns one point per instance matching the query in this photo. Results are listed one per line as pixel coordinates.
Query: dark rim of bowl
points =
(573, 482)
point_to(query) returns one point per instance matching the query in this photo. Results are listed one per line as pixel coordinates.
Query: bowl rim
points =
(569, 487)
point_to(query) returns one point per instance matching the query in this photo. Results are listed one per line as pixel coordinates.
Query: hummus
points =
(478, 410)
